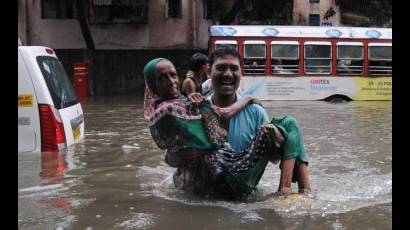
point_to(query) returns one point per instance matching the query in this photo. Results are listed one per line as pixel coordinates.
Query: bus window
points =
(229, 43)
(350, 58)
(318, 57)
(380, 59)
(284, 57)
(254, 57)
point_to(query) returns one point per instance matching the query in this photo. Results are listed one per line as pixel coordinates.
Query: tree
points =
(329, 13)
(233, 12)
(378, 12)
(257, 11)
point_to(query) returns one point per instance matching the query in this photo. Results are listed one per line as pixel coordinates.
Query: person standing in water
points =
(198, 73)
(244, 126)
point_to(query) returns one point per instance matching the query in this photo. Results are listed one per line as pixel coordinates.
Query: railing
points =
(254, 68)
(285, 69)
(380, 70)
(349, 70)
(318, 68)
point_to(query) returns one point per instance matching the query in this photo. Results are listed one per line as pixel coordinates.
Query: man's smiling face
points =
(226, 75)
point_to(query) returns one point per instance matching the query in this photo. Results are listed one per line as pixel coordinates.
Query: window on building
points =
(314, 20)
(208, 6)
(380, 59)
(318, 57)
(314, 1)
(229, 43)
(119, 11)
(57, 9)
(174, 9)
(350, 58)
(285, 57)
(254, 57)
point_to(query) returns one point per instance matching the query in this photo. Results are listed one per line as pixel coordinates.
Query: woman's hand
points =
(255, 101)
(252, 100)
(196, 98)
(269, 130)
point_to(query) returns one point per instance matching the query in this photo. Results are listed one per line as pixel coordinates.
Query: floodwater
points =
(117, 179)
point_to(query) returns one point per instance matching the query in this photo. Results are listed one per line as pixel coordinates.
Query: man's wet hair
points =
(197, 61)
(222, 51)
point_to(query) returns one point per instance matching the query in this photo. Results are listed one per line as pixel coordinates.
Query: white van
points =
(50, 117)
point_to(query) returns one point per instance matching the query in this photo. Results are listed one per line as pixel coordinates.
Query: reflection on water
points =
(53, 165)
(117, 179)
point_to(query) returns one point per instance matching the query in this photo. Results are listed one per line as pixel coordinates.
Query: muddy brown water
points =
(117, 179)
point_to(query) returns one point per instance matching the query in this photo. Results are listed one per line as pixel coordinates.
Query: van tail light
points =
(52, 129)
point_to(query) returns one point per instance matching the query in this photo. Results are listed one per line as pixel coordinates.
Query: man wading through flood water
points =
(243, 127)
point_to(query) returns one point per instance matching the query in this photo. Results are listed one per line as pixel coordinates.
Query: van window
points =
(285, 57)
(380, 59)
(318, 57)
(60, 87)
(350, 58)
(254, 57)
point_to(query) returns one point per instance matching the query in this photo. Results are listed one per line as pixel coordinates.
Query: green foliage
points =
(268, 12)
(219, 9)
(366, 12)
(329, 13)
(249, 11)
(356, 20)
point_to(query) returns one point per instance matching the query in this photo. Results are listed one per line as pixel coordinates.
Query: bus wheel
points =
(338, 98)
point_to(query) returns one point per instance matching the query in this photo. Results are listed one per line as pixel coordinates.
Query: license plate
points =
(77, 133)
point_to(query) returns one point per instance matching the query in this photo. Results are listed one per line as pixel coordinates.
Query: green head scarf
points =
(149, 73)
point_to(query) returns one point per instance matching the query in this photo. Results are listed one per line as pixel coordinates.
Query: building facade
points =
(115, 24)
(313, 12)
(126, 35)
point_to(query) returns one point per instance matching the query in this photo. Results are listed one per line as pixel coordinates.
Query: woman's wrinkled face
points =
(167, 80)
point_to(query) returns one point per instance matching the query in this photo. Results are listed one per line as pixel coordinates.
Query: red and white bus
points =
(311, 63)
